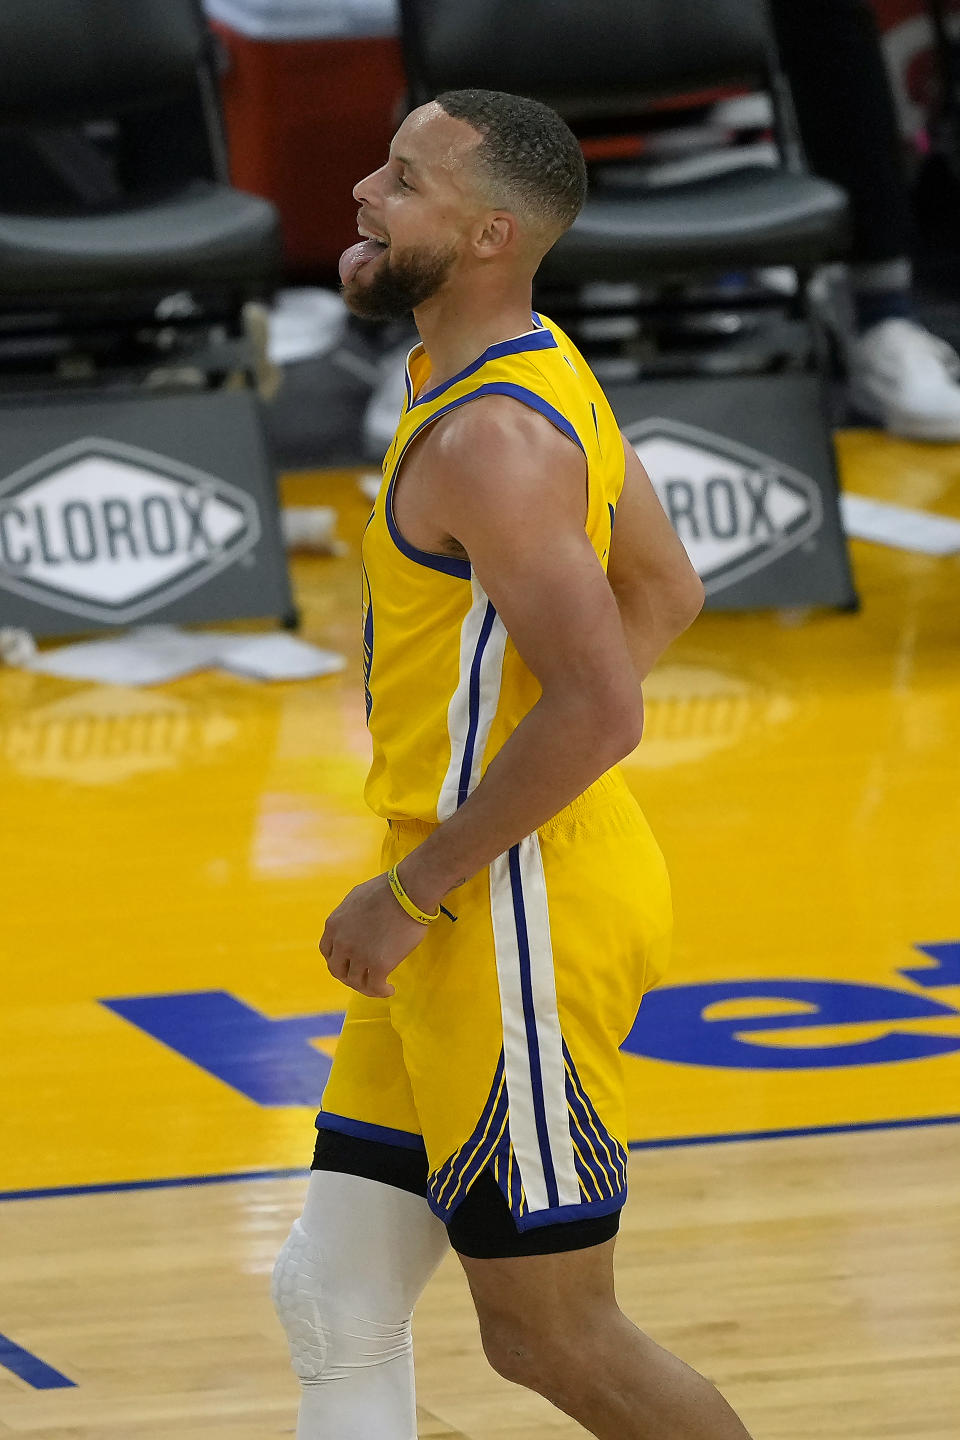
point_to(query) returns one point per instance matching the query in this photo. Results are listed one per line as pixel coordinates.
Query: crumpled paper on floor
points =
(154, 654)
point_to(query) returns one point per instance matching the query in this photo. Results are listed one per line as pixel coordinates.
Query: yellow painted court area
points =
(800, 771)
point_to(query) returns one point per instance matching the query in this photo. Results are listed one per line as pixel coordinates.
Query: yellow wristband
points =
(404, 899)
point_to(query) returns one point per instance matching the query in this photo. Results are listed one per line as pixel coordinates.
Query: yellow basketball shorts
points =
(500, 1048)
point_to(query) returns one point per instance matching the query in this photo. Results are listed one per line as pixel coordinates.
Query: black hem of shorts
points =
(371, 1160)
(482, 1226)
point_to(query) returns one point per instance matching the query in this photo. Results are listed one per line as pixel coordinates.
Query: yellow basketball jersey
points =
(445, 687)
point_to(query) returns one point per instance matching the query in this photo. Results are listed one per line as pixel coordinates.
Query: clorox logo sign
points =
(107, 531)
(735, 509)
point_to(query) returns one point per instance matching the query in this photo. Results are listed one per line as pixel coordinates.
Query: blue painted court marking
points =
(671, 1142)
(174, 1182)
(855, 1127)
(30, 1368)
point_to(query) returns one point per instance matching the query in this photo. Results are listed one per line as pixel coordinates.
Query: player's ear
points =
(496, 233)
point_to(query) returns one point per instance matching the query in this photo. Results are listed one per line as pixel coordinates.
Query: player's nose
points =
(365, 189)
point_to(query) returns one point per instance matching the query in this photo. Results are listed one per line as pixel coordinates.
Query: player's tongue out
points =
(357, 255)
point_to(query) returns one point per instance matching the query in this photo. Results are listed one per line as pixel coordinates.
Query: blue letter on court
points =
(672, 1025)
(270, 1061)
(945, 972)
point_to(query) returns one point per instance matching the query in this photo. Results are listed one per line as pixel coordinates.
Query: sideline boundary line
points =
(673, 1142)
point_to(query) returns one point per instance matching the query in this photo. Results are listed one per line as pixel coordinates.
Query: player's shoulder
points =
(495, 430)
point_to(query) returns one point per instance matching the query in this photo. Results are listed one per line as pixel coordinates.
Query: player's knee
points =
(327, 1336)
(537, 1357)
(298, 1300)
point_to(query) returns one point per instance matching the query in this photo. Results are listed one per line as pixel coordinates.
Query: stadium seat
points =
(122, 91)
(602, 66)
(136, 481)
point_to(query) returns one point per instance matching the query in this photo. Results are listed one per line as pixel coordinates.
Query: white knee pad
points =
(351, 1271)
(328, 1328)
(296, 1298)
(344, 1286)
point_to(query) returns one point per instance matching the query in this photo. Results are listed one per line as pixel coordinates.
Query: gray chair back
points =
(585, 57)
(65, 60)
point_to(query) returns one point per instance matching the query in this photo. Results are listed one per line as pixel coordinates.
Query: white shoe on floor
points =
(907, 379)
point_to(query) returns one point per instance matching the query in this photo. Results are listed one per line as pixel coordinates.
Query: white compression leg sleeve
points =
(344, 1286)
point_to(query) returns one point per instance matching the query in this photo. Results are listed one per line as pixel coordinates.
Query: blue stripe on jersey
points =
(530, 1023)
(539, 339)
(447, 564)
(406, 376)
(466, 767)
(535, 402)
(367, 639)
(613, 516)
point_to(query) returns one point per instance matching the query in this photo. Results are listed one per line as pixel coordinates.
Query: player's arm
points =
(511, 490)
(658, 592)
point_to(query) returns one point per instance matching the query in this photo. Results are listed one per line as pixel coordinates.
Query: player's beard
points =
(401, 283)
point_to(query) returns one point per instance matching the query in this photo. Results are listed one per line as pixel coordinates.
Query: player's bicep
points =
(517, 508)
(557, 607)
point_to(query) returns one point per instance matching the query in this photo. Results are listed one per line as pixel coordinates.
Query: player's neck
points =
(456, 330)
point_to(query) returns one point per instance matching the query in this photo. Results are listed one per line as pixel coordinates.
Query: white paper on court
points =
(896, 525)
(154, 654)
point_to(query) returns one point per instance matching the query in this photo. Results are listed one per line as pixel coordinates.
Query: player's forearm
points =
(558, 750)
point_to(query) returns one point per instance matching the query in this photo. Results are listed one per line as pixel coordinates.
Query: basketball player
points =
(519, 580)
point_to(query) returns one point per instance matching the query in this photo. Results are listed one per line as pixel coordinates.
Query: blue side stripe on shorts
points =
(591, 1154)
(475, 1160)
(509, 1178)
(590, 1186)
(611, 1158)
(450, 1182)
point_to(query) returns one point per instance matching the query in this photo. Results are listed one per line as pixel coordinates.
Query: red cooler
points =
(312, 91)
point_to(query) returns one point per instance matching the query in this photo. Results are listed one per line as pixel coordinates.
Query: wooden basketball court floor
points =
(168, 857)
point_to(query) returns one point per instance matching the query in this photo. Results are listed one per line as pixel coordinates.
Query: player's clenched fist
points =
(367, 936)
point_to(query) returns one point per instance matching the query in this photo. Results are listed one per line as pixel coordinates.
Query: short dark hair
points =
(528, 155)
